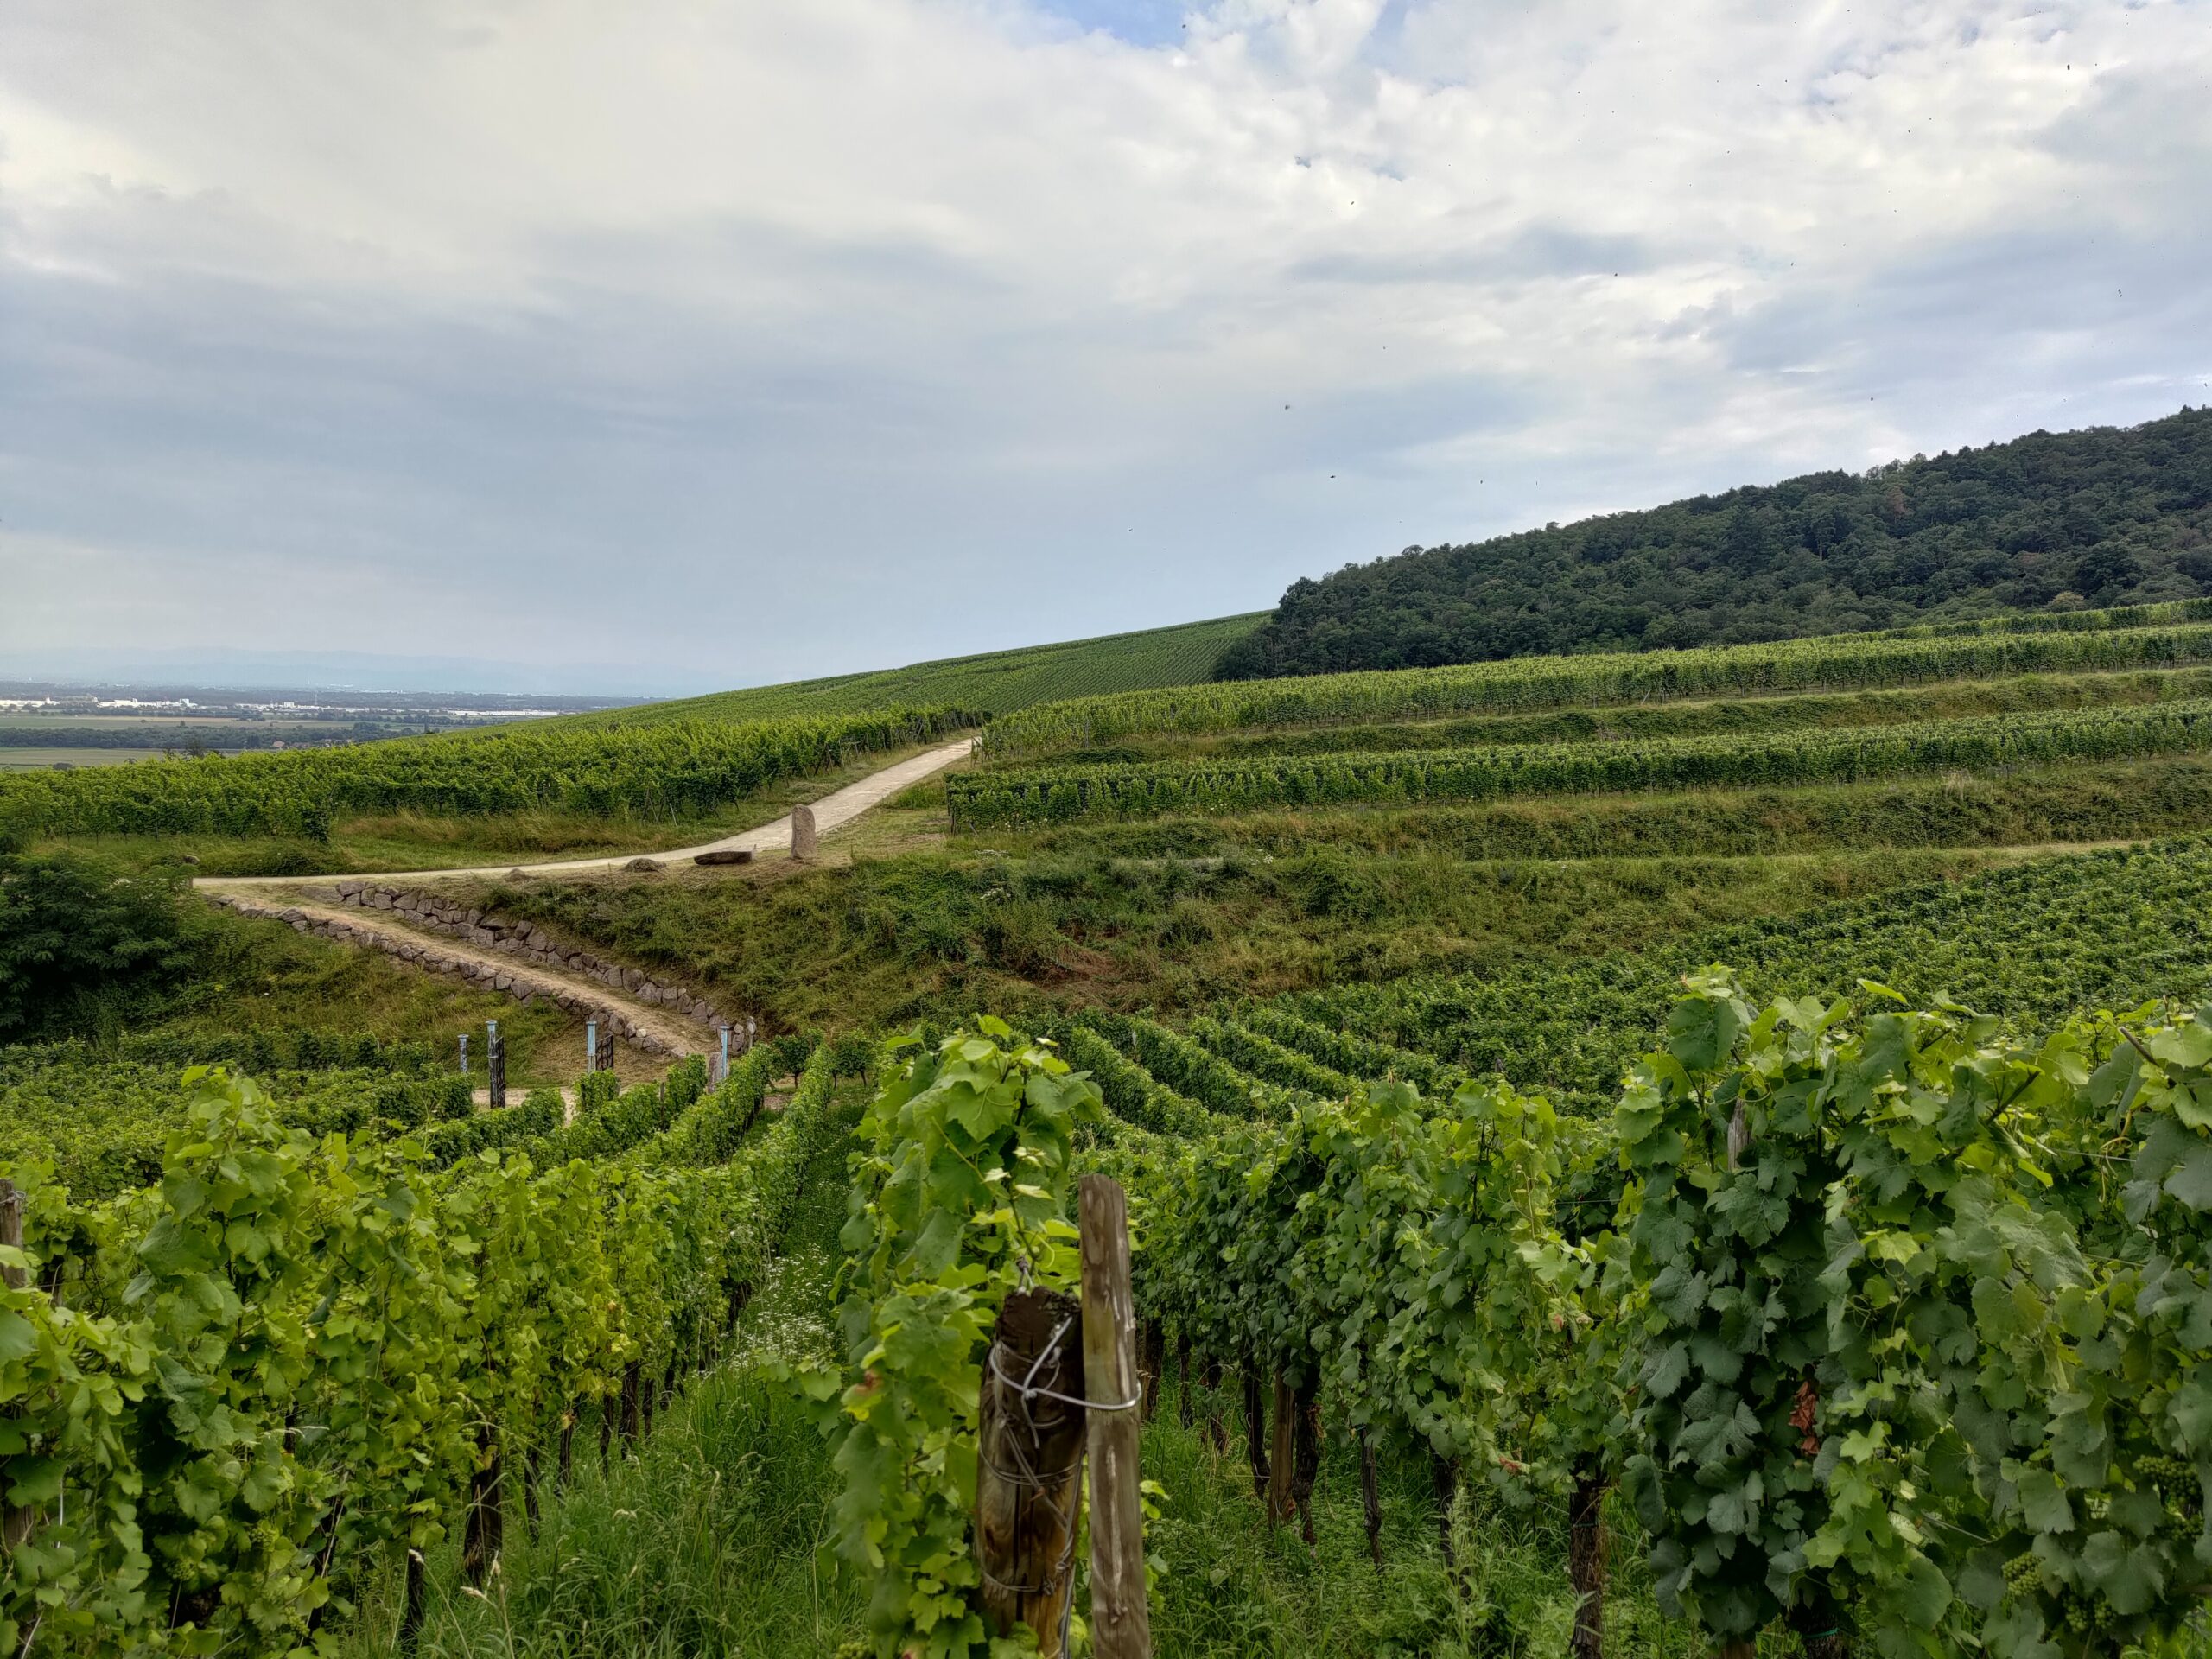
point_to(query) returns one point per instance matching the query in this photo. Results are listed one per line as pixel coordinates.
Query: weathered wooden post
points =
(1256, 1429)
(484, 1536)
(1586, 1559)
(1280, 1465)
(495, 1066)
(11, 1233)
(416, 1602)
(15, 1520)
(1121, 1618)
(1029, 1466)
(803, 838)
(1307, 1468)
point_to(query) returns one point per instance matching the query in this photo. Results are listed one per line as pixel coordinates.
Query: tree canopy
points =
(2108, 516)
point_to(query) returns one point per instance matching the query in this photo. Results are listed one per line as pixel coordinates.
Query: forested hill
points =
(2052, 520)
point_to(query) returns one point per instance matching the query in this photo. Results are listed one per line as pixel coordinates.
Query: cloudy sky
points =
(724, 343)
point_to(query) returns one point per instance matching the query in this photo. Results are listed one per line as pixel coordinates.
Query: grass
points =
(883, 941)
(996, 682)
(900, 923)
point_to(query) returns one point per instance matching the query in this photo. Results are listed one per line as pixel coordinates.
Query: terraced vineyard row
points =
(2033, 943)
(1066, 794)
(621, 769)
(2155, 637)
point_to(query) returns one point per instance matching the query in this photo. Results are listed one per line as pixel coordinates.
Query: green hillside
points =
(2052, 521)
(995, 682)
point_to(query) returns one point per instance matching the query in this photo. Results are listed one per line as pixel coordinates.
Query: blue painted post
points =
(722, 1066)
(464, 1053)
(591, 1045)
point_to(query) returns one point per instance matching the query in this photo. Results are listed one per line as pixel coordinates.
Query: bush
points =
(74, 929)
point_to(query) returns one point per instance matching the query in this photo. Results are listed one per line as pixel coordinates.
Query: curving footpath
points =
(657, 1029)
(832, 812)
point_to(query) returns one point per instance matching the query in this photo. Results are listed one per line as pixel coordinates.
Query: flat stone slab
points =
(724, 855)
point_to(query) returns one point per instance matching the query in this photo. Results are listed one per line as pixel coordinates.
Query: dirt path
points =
(832, 812)
(655, 1030)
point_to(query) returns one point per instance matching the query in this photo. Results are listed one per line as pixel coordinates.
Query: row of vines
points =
(2034, 941)
(2150, 638)
(1889, 1323)
(1061, 794)
(638, 769)
(229, 1399)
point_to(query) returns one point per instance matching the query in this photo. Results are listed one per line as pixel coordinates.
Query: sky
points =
(670, 345)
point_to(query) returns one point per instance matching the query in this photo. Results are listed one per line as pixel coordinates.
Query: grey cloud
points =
(779, 419)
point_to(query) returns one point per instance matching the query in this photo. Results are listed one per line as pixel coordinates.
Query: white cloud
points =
(813, 336)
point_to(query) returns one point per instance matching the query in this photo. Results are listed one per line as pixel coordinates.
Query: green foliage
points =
(2035, 942)
(1397, 1252)
(1883, 1383)
(595, 1092)
(1264, 1057)
(1189, 1068)
(632, 767)
(104, 1126)
(74, 928)
(961, 1195)
(2102, 517)
(1131, 1092)
(1768, 711)
(1348, 1052)
(2152, 638)
(295, 1349)
(1062, 794)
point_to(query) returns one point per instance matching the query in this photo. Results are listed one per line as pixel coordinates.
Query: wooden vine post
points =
(495, 1066)
(1282, 1453)
(15, 1520)
(1029, 1466)
(1121, 1618)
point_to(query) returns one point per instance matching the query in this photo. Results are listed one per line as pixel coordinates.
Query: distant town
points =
(46, 725)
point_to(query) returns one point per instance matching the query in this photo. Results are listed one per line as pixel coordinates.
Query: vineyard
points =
(2149, 636)
(1886, 1339)
(996, 682)
(1505, 1276)
(445, 1317)
(625, 769)
(1056, 794)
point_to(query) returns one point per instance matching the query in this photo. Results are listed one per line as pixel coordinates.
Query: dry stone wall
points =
(518, 982)
(527, 943)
